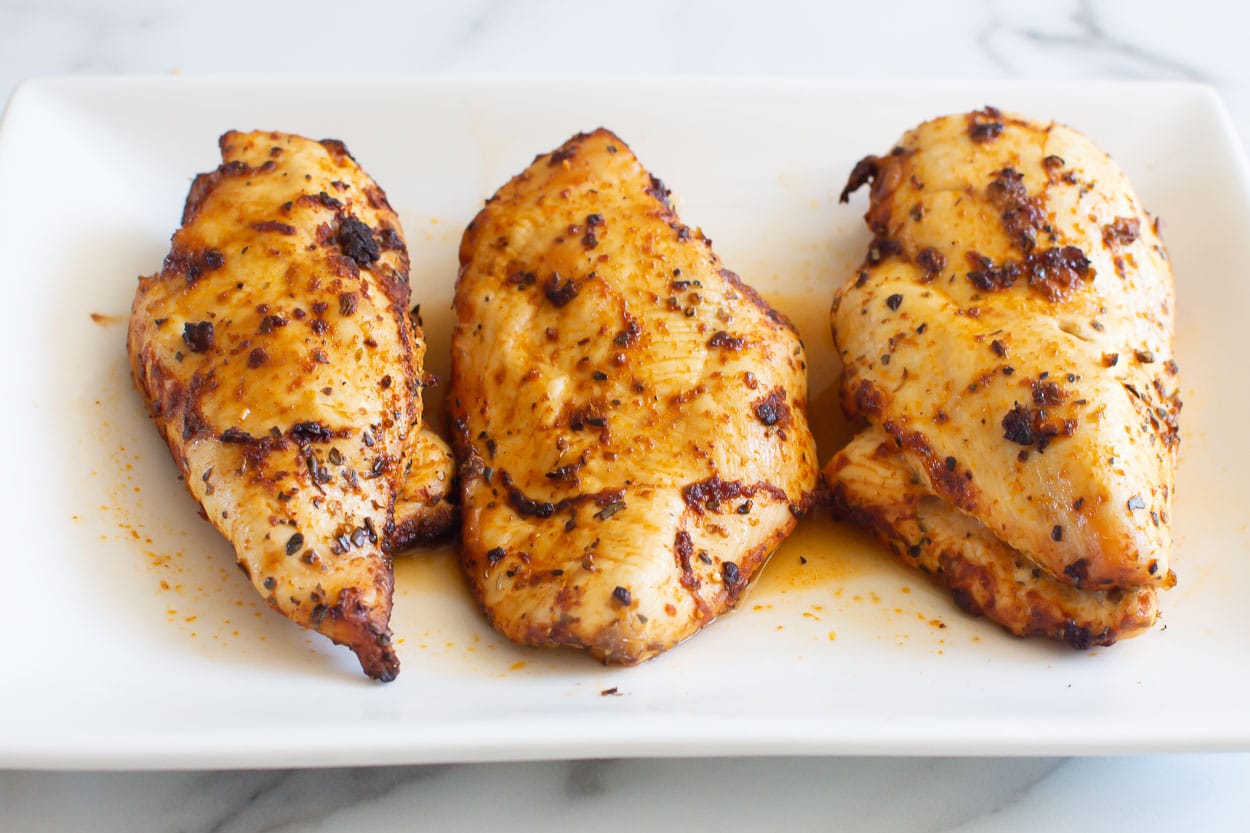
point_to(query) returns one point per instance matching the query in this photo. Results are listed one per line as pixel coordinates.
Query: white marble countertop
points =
(1147, 39)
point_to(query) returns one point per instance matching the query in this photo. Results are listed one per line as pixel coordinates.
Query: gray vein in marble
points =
(1095, 38)
(1003, 796)
(232, 811)
(1089, 42)
(295, 797)
(462, 35)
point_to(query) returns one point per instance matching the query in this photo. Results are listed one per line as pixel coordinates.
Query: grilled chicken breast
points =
(425, 505)
(629, 416)
(1010, 333)
(275, 351)
(876, 489)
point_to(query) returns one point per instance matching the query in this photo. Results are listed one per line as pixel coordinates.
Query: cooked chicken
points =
(1011, 333)
(425, 509)
(630, 417)
(275, 351)
(876, 489)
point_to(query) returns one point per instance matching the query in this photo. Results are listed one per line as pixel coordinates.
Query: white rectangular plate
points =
(130, 639)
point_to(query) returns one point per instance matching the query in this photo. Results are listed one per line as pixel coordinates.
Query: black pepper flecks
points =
(192, 265)
(981, 131)
(724, 341)
(988, 277)
(772, 410)
(610, 509)
(560, 290)
(1033, 427)
(198, 336)
(1121, 231)
(269, 323)
(931, 261)
(356, 240)
(305, 432)
(1018, 425)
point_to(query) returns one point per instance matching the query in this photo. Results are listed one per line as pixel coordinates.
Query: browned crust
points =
(362, 628)
(426, 526)
(1034, 607)
(772, 313)
(950, 481)
(616, 645)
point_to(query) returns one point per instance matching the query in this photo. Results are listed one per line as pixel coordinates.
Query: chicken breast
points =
(425, 506)
(875, 488)
(1011, 334)
(629, 416)
(275, 351)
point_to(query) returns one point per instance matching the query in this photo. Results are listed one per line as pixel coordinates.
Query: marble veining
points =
(1082, 37)
(969, 39)
(960, 795)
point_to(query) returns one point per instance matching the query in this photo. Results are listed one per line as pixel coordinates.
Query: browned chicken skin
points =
(277, 356)
(1009, 339)
(630, 417)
